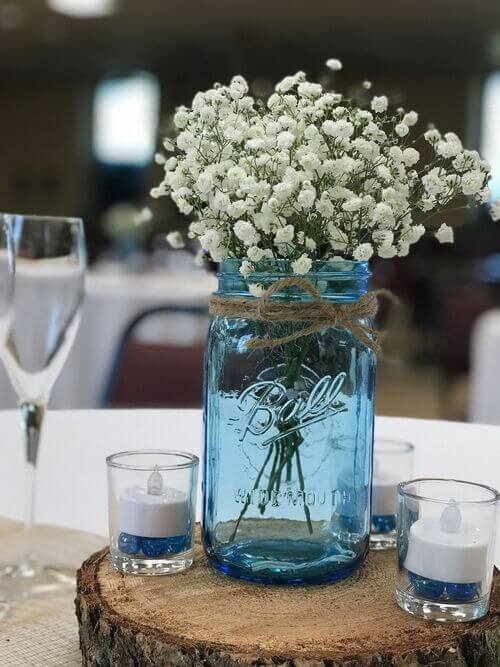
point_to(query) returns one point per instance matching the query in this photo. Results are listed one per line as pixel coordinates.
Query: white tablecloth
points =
(112, 300)
(484, 405)
(72, 470)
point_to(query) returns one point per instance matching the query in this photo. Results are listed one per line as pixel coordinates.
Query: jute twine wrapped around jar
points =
(316, 314)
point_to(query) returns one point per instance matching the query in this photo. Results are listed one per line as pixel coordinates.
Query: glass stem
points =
(32, 415)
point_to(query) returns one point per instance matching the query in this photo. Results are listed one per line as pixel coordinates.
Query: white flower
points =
(160, 159)
(310, 243)
(168, 145)
(368, 149)
(333, 64)
(383, 237)
(410, 118)
(338, 239)
(396, 154)
(448, 149)
(285, 139)
(472, 182)
(401, 129)
(181, 118)
(256, 289)
(433, 182)
(495, 210)
(284, 234)
(237, 208)
(246, 268)
(339, 129)
(410, 156)
(307, 89)
(432, 135)
(255, 254)
(175, 240)
(302, 265)
(379, 104)
(246, 232)
(414, 233)
(363, 252)
(238, 87)
(383, 216)
(324, 206)
(204, 182)
(444, 234)
(387, 252)
(384, 173)
(306, 197)
(352, 205)
(403, 249)
(210, 240)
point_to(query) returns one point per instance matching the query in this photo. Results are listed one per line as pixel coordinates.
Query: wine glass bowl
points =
(49, 289)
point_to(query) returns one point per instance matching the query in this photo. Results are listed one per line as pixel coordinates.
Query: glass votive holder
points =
(392, 464)
(152, 511)
(446, 540)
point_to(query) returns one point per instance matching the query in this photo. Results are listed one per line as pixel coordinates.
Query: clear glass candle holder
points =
(392, 464)
(446, 540)
(152, 511)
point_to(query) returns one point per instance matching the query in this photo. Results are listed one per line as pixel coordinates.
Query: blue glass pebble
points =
(429, 589)
(462, 592)
(383, 523)
(129, 544)
(155, 547)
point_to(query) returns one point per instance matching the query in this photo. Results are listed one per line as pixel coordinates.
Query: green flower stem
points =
(286, 449)
(247, 501)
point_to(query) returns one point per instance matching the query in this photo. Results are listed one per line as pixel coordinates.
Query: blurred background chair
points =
(149, 372)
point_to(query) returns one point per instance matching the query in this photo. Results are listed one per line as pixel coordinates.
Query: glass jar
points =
(288, 437)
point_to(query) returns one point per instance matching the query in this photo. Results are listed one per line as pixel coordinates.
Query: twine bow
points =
(318, 313)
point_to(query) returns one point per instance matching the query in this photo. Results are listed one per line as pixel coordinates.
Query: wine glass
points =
(6, 296)
(50, 264)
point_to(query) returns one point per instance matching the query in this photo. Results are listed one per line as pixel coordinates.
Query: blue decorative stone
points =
(429, 589)
(156, 547)
(462, 592)
(383, 523)
(129, 544)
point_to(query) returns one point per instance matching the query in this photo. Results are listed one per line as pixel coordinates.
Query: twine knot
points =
(317, 314)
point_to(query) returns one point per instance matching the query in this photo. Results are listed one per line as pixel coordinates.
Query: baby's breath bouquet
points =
(310, 175)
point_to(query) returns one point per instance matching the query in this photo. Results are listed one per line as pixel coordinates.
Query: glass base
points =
(151, 566)
(29, 579)
(285, 562)
(383, 541)
(459, 612)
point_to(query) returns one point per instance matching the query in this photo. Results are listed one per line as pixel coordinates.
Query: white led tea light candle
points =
(447, 549)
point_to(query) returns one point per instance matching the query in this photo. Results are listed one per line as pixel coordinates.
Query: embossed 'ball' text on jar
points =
(288, 434)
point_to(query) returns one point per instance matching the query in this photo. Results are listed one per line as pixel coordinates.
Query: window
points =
(490, 130)
(126, 120)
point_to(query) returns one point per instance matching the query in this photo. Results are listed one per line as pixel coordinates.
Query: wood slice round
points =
(200, 617)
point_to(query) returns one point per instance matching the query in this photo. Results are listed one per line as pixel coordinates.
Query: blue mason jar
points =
(288, 437)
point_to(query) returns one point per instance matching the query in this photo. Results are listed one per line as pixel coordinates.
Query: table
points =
(111, 301)
(72, 486)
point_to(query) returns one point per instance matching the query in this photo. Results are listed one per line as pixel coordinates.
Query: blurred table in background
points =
(112, 300)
